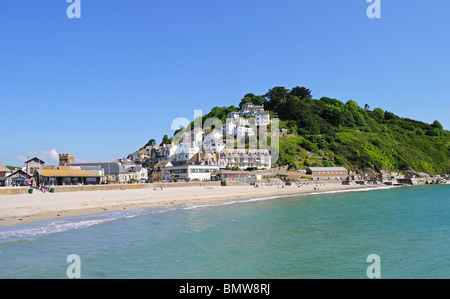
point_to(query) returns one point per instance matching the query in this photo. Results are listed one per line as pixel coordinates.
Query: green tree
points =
(379, 114)
(251, 98)
(356, 117)
(436, 124)
(275, 97)
(300, 92)
(166, 140)
(150, 142)
(290, 109)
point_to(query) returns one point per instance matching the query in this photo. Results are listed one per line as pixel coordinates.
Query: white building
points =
(165, 152)
(250, 109)
(213, 141)
(199, 167)
(190, 144)
(239, 127)
(233, 115)
(137, 173)
(262, 118)
(244, 158)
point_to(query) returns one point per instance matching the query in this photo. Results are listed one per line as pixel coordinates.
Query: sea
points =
(392, 233)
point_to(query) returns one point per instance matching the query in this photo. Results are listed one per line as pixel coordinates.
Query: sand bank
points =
(27, 208)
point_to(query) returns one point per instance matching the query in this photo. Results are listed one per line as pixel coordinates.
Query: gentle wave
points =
(256, 199)
(51, 228)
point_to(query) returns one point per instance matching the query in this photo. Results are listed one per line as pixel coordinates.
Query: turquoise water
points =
(316, 236)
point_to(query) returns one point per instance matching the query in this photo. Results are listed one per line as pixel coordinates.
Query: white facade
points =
(213, 142)
(239, 127)
(191, 143)
(233, 115)
(244, 158)
(186, 151)
(244, 131)
(262, 118)
(138, 174)
(190, 172)
(250, 109)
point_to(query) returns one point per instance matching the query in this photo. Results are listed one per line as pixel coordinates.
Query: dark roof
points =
(35, 159)
(19, 172)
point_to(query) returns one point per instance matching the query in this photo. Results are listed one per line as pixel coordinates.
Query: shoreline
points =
(29, 208)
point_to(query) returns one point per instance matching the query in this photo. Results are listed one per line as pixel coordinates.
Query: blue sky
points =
(101, 86)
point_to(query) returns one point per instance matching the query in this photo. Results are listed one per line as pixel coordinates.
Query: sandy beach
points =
(27, 208)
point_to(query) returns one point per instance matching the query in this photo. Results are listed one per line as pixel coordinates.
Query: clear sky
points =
(101, 86)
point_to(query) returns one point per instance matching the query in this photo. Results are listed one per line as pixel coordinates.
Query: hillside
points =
(328, 132)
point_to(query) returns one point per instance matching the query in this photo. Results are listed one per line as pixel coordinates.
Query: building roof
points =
(67, 173)
(163, 164)
(21, 172)
(203, 156)
(3, 168)
(35, 159)
(327, 169)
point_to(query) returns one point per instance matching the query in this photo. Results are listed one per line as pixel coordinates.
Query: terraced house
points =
(247, 158)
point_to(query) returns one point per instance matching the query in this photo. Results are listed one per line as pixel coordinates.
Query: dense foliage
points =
(327, 132)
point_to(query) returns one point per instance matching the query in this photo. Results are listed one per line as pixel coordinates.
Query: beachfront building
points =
(233, 176)
(113, 172)
(198, 168)
(190, 172)
(327, 172)
(247, 158)
(18, 178)
(68, 175)
(4, 172)
(33, 164)
(137, 173)
(158, 171)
